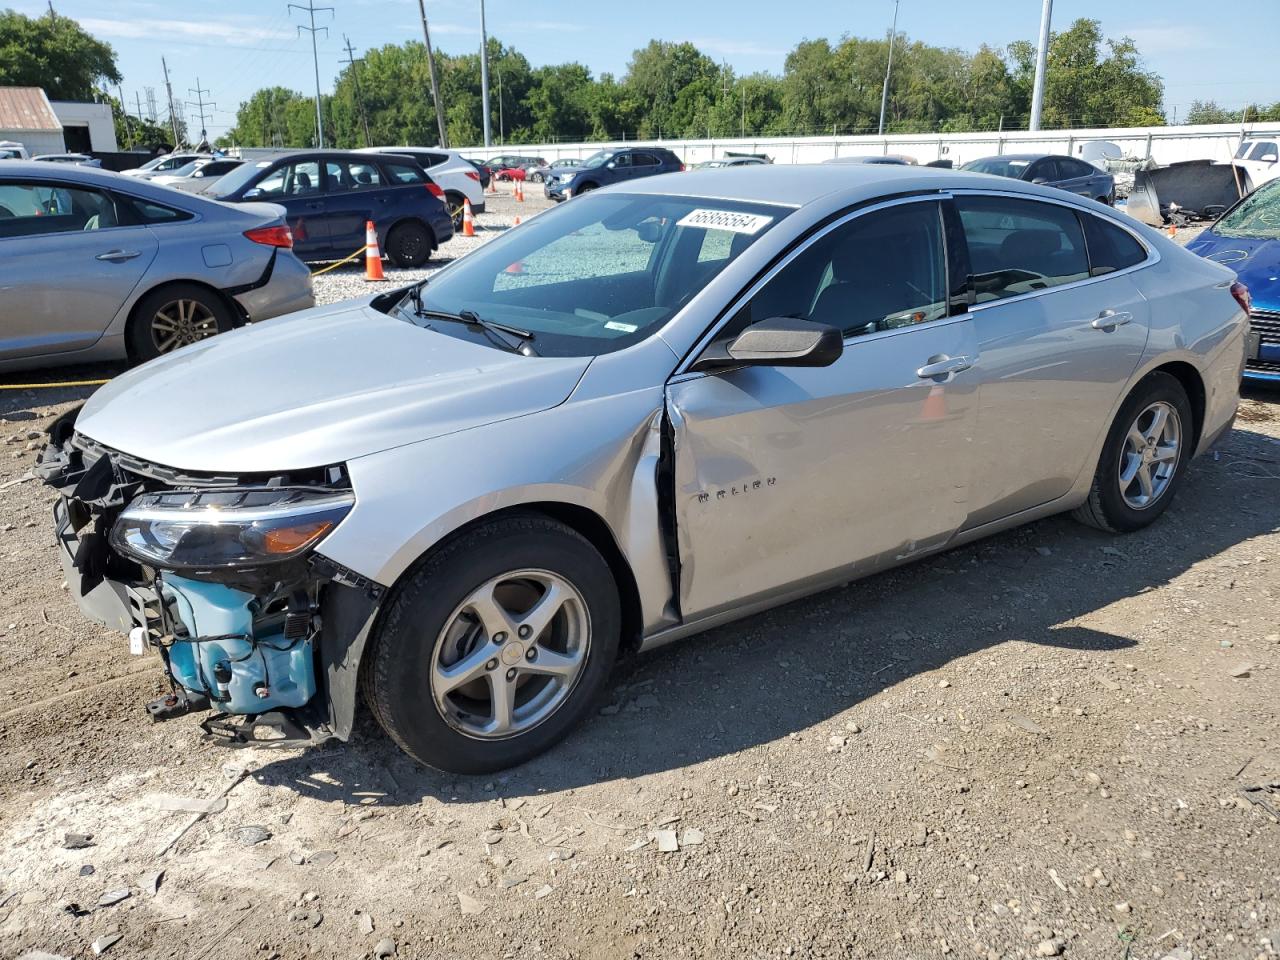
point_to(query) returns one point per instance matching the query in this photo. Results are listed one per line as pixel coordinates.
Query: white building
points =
(28, 117)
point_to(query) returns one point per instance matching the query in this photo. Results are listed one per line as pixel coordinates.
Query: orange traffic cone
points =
(1173, 230)
(517, 223)
(519, 192)
(372, 255)
(516, 266)
(468, 221)
(493, 184)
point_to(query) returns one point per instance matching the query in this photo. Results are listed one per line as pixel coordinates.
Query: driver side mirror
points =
(250, 194)
(1269, 158)
(1041, 180)
(610, 164)
(777, 342)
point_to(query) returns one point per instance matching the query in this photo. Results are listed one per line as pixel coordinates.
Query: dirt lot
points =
(1043, 744)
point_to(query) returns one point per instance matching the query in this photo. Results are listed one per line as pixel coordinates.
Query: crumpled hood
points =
(1255, 260)
(316, 388)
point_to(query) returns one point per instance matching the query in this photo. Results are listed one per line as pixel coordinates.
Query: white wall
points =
(37, 142)
(1164, 144)
(96, 116)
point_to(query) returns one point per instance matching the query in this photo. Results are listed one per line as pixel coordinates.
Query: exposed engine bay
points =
(217, 574)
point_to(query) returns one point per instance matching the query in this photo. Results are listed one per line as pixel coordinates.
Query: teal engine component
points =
(223, 659)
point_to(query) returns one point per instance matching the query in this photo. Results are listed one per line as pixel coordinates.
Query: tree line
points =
(669, 90)
(674, 90)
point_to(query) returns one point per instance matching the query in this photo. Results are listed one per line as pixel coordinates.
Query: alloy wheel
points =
(180, 323)
(510, 654)
(1152, 450)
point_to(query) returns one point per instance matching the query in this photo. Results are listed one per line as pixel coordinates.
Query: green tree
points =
(53, 52)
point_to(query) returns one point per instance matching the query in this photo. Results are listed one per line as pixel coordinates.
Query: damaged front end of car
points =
(219, 574)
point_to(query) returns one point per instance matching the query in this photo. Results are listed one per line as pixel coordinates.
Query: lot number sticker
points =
(725, 220)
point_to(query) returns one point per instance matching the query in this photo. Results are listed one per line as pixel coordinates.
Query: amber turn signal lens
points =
(286, 540)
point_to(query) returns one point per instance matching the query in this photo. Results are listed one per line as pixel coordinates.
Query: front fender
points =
(598, 454)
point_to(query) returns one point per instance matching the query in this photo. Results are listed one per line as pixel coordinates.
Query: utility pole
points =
(435, 80)
(124, 117)
(311, 10)
(502, 130)
(173, 117)
(484, 77)
(884, 94)
(199, 104)
(351, 61)
(1042, 60)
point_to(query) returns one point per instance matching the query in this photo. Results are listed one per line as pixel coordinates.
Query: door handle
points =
(116, 256)
(1110, 319)
(315, 205)
(943, 367)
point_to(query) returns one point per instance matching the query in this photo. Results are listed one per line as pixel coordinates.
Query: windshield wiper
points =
(513, 338)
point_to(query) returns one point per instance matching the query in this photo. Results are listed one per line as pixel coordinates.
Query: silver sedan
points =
(97, 266)
(651, 411)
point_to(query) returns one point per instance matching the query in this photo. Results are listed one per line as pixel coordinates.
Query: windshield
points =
(597, 274)
(999, 166)
(237, 178)
(597, 159)
(1256, 216)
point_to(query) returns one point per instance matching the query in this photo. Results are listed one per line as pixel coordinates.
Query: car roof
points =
(797, 185)
(73, 174)
(311, 154)
(1026, 156)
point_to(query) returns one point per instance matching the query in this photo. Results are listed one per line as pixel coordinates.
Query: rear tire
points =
(409, 244)
(432, 632)
(174, 316)
(1140, 444)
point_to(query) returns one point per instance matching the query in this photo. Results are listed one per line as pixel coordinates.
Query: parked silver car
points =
(659, 408)
(96, 266)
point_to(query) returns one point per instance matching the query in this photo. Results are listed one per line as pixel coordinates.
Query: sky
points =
(233, 47)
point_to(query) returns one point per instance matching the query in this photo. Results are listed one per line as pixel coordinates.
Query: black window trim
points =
(1153, 255)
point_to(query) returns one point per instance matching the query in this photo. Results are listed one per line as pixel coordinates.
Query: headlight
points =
(227, 528)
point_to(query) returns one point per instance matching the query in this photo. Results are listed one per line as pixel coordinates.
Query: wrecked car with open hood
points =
(645, 413)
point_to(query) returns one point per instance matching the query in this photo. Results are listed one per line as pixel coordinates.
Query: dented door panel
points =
(784, 475)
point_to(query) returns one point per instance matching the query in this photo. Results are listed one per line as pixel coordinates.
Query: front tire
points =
(1143, 458)
(176, 316)
(495, 647)
(409, 244)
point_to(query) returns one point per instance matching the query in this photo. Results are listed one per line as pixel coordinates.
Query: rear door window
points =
(1020, 246)
(1110, 247)
(1046, 169)
(1261, 149)
(644, 160)
(30, 209)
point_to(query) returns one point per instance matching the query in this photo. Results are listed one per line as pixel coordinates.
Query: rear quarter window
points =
(1110, 247)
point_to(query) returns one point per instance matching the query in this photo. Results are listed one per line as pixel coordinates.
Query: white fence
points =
(1163, 144)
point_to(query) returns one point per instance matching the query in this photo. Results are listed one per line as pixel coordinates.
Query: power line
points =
(351, 61)
(311, 9)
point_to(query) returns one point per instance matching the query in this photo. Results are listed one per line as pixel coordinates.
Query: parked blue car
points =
(1247, 239)
(330, 195)
(611, 166)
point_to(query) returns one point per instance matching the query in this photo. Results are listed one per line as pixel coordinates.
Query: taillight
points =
(682, 168)
(473, 175)
(1241, 293)
(280, 236)
(435, 191)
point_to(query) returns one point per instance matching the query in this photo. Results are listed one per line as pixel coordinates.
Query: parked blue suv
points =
(611, 166)
(329, 196)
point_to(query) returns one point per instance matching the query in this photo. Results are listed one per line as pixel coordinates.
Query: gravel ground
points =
(1048, 743)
